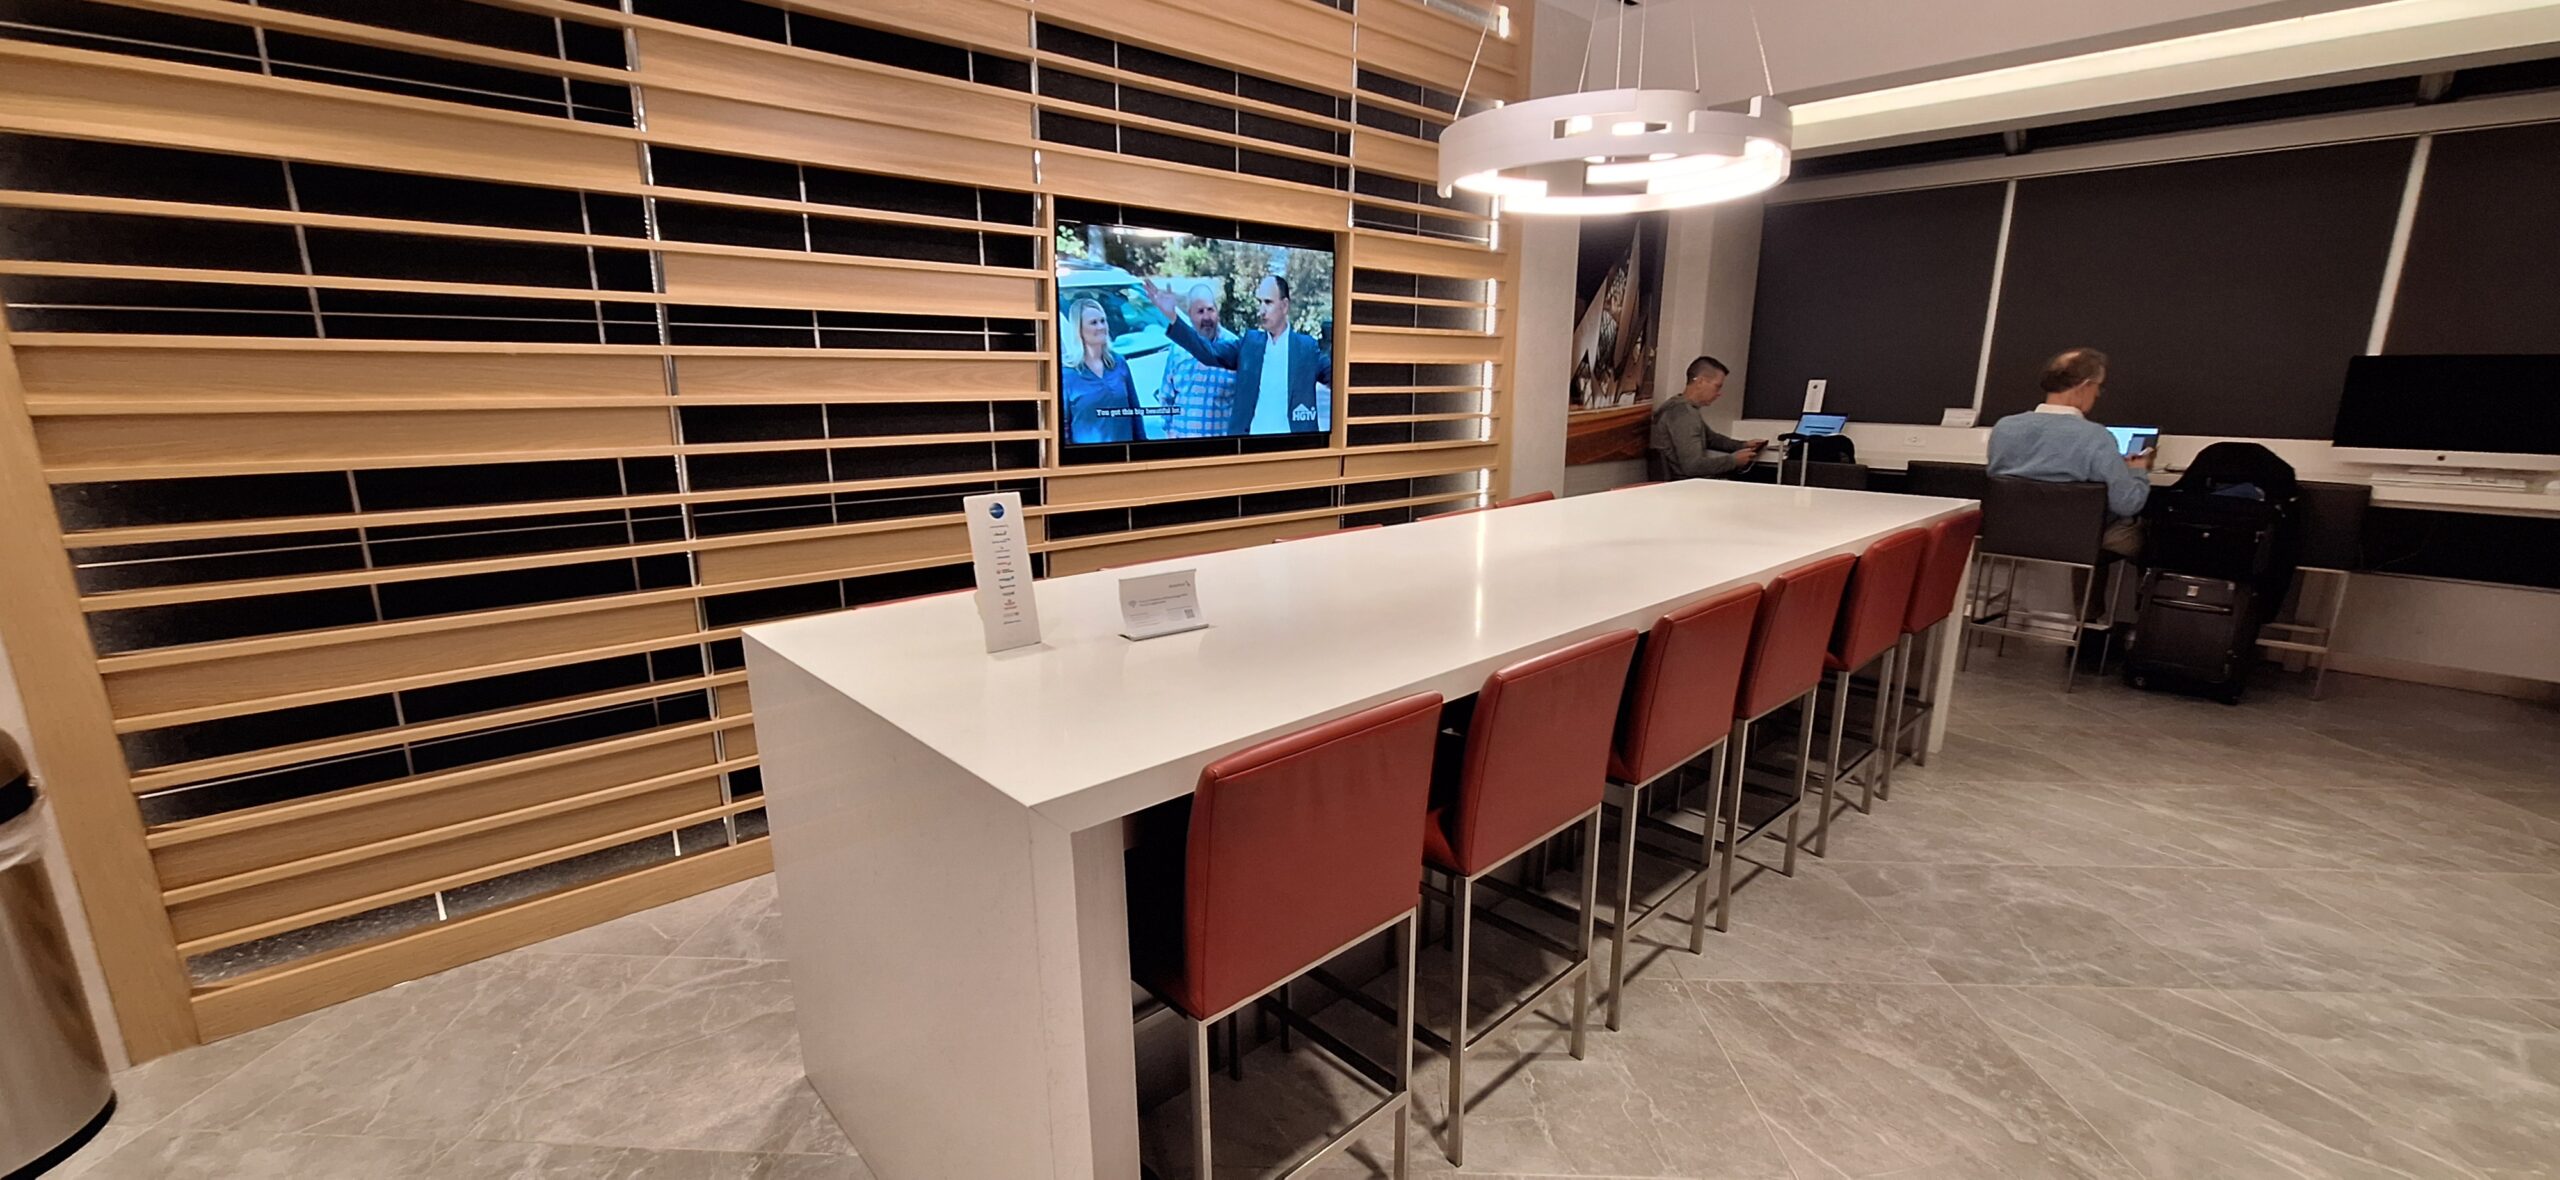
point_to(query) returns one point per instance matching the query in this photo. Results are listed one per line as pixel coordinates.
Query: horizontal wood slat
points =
(1391, 346)
(1420, 461)
(1101, 176)
(807, 83)
(746, 128)
(765, 282)
(1403, 38)
(130, 448)
(180, 378)
(70, 92)
(1289, 41)
(992, 24)
(1178, 483)
(1395, 155)
(289, 990)
(1407, 255)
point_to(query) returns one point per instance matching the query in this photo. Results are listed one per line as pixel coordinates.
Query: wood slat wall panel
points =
(731, 125)
(72, 92)
(993, 24)
(137, 448)
(293, 989)
(821, 269)
(353, 666)
(1293, 42)
(227, 915)
(1403, 38)
(1097, 176)
(182, 379)
(762, 282)
(859, 91)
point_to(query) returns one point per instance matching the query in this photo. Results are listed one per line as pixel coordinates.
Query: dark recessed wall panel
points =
(1883, 297)
(2229, 293)
(2483, 271)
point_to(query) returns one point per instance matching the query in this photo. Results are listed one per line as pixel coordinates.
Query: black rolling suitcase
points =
(2193, 634)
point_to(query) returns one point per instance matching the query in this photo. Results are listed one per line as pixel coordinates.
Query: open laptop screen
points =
(1818, 425)
(2133, 440)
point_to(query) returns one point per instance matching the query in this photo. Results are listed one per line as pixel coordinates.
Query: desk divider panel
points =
(405, 413)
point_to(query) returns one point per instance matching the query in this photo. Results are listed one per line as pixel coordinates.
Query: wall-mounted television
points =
(1165, 336)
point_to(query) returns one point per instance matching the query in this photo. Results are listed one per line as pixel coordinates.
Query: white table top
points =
(1088, 727)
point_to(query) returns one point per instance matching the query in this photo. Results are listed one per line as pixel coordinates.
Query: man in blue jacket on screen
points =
(2057, 442)
(1284, 378)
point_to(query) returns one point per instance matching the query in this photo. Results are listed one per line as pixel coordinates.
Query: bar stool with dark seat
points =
(2035, 522)
(1933, 605)
(1799, 472)
(1536, 764)
(2332, 548)
(1871, 613)
(1955, 481)
(1679, 708)
(1784, 667)
(1298, 849)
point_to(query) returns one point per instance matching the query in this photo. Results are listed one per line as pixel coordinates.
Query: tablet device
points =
(2133, 440)
(1820, 425)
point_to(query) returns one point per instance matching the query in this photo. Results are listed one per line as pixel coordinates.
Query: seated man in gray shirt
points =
(2057, 442)
(1683, 445)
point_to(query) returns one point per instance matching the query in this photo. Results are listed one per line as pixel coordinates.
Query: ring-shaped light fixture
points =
(1637, 150)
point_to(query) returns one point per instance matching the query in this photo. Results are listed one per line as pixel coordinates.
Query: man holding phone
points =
(2057, 442)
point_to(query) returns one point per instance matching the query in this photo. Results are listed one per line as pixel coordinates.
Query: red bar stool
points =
(1679, 708)
(1536, 764)
(1299, 848)
(1788, 642)
(1871, 614)
(1531, 498)
(1933, 606)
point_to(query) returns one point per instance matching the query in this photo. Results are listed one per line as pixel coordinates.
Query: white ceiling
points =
(1821, 48)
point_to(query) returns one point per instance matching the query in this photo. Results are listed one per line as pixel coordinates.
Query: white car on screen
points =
(1137, 328)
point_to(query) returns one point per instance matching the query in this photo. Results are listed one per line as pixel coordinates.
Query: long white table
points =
(947, 823)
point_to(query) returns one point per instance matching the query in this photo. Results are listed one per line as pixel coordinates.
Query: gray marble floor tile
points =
(2454, 829)
(1813, 928)
(426, 1058)
(749, 927)
(150, 1092)
(2518, 757)
(473, 1159)
(700, 1055)
(2189, 1083)
(107, 1142)
(2542, 885)
(651, 932)
(1976, 753)
(2450, 932)
(2130, 753)
(2012, 924)
(2295, 757)
(1861, 1080)
(170, 1153)
(2406, 933)
(2257, 827)
(2479, 1076)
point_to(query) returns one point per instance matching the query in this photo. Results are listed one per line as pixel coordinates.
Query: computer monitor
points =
(2451, 411)
(1820, 425)
(2133, 440)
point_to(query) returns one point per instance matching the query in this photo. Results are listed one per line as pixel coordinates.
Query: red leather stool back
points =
(1301, 844)
(1933, 593)
(1879, 594)
(1787, 645)
(1531, 498)
(1681, 699)
(1538, 749)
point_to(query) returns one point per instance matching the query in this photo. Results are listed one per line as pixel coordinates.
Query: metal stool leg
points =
(1465, 891)
(1831, 769)
(1200, 1099)
(1707, 853)
(1885, 741)
(1404, 1042)
(1804, 771)
(1590, 913)
(1626, 890)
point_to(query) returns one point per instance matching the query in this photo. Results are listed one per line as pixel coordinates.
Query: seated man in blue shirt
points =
(2058, 443)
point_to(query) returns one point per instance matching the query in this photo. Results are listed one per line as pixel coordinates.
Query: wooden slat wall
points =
(399, 441)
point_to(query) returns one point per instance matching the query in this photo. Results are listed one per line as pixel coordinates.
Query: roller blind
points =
(1883, 297)
(2228, 292)
(2483, 271)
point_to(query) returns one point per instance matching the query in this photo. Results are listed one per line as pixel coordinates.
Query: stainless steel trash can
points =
(55, 1094)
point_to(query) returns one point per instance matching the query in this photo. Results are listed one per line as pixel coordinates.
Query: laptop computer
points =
(2133, 440)
(1821, 425)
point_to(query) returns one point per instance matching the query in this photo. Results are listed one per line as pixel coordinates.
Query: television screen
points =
(1166, 336)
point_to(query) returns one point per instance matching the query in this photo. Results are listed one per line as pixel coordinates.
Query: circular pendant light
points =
(1597, 152)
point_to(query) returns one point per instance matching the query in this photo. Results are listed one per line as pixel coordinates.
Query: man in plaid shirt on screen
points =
(1204, 396)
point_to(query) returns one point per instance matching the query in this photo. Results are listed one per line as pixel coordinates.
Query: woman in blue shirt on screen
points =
(1102, 398)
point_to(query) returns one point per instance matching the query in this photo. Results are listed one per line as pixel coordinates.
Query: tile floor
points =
(2102, 935)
